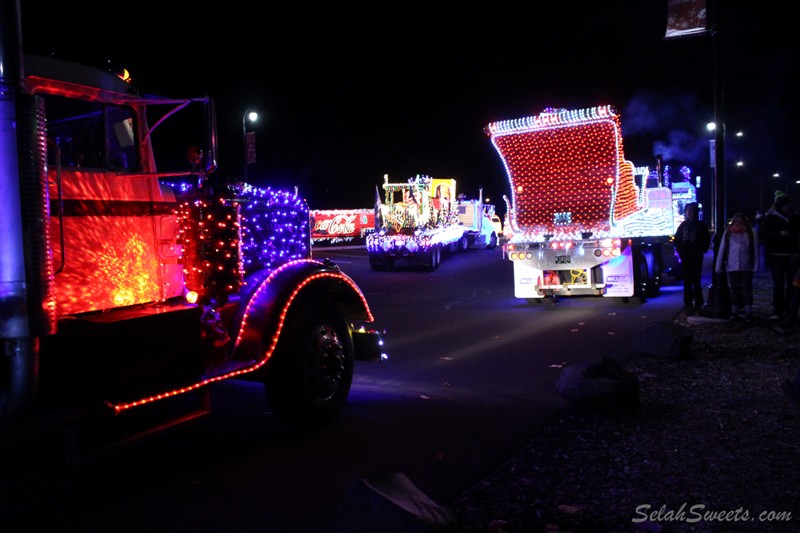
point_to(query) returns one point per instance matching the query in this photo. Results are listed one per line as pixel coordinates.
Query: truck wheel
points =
(433, 258)
(308, 378)
(463, 244)
(380, 263)
(641, 277)
(375, 263)
(492, 241)
(655, 264)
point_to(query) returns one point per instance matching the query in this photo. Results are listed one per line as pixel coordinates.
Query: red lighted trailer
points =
(580, 221)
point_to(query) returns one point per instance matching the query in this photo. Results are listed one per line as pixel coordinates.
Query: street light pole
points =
(718, 303)
(252, 116)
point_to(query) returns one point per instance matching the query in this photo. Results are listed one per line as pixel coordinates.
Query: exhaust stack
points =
(18, 361)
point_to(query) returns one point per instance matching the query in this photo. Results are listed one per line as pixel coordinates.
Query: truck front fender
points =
(258, 322)
(302, 282)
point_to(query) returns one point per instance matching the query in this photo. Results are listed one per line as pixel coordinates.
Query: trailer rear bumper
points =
(543, 272)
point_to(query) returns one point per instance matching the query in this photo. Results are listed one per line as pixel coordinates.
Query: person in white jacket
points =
(737, 257)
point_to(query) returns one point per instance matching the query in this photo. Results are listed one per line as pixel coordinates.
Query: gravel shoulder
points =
(713, 446)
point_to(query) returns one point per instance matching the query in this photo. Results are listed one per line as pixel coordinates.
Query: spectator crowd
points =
(769, 241)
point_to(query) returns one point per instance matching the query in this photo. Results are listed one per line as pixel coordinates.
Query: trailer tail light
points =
(561, 245)
(520, 256)
(608, 248)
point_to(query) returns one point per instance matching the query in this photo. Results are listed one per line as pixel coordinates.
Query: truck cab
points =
(130, 287)
(477, 218)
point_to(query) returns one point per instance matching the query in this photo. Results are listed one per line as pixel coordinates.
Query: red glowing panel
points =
(118, 251)
(569, 176)
(108, 265)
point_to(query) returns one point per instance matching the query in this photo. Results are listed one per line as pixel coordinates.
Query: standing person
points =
(789, 321)
(737, 257)
(692, 239)
(759, 216)
(779, 234)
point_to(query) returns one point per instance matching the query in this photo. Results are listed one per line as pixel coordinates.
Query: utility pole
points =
(718, 303)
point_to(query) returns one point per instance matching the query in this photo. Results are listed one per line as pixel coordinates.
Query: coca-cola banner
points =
(341, 226)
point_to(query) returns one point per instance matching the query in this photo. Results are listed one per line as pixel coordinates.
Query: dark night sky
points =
(348, 95)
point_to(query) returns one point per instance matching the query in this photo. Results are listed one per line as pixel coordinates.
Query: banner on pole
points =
(685, 18)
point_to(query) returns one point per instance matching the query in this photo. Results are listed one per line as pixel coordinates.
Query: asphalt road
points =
(470, 377)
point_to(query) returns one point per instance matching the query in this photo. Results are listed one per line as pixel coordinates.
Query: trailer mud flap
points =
(526, 280)
(618, 275)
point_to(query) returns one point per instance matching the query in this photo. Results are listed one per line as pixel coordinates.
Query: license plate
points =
(563, 259)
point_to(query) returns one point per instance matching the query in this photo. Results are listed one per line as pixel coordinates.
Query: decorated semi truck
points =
(479, 224)
(127, 291)
(580, 221)
(420, 220)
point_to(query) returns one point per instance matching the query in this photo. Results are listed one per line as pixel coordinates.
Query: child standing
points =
(738, 258)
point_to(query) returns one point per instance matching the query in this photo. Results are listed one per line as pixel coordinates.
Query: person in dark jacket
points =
(779, 232)
(692, 239)
(790, 320)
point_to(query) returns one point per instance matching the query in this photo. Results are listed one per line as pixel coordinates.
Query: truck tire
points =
(380, 262)
(308, 378)
(375, 262)
(463, 244)
(492, 244)
(655, 266)
(641, 277)
(433, 258)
